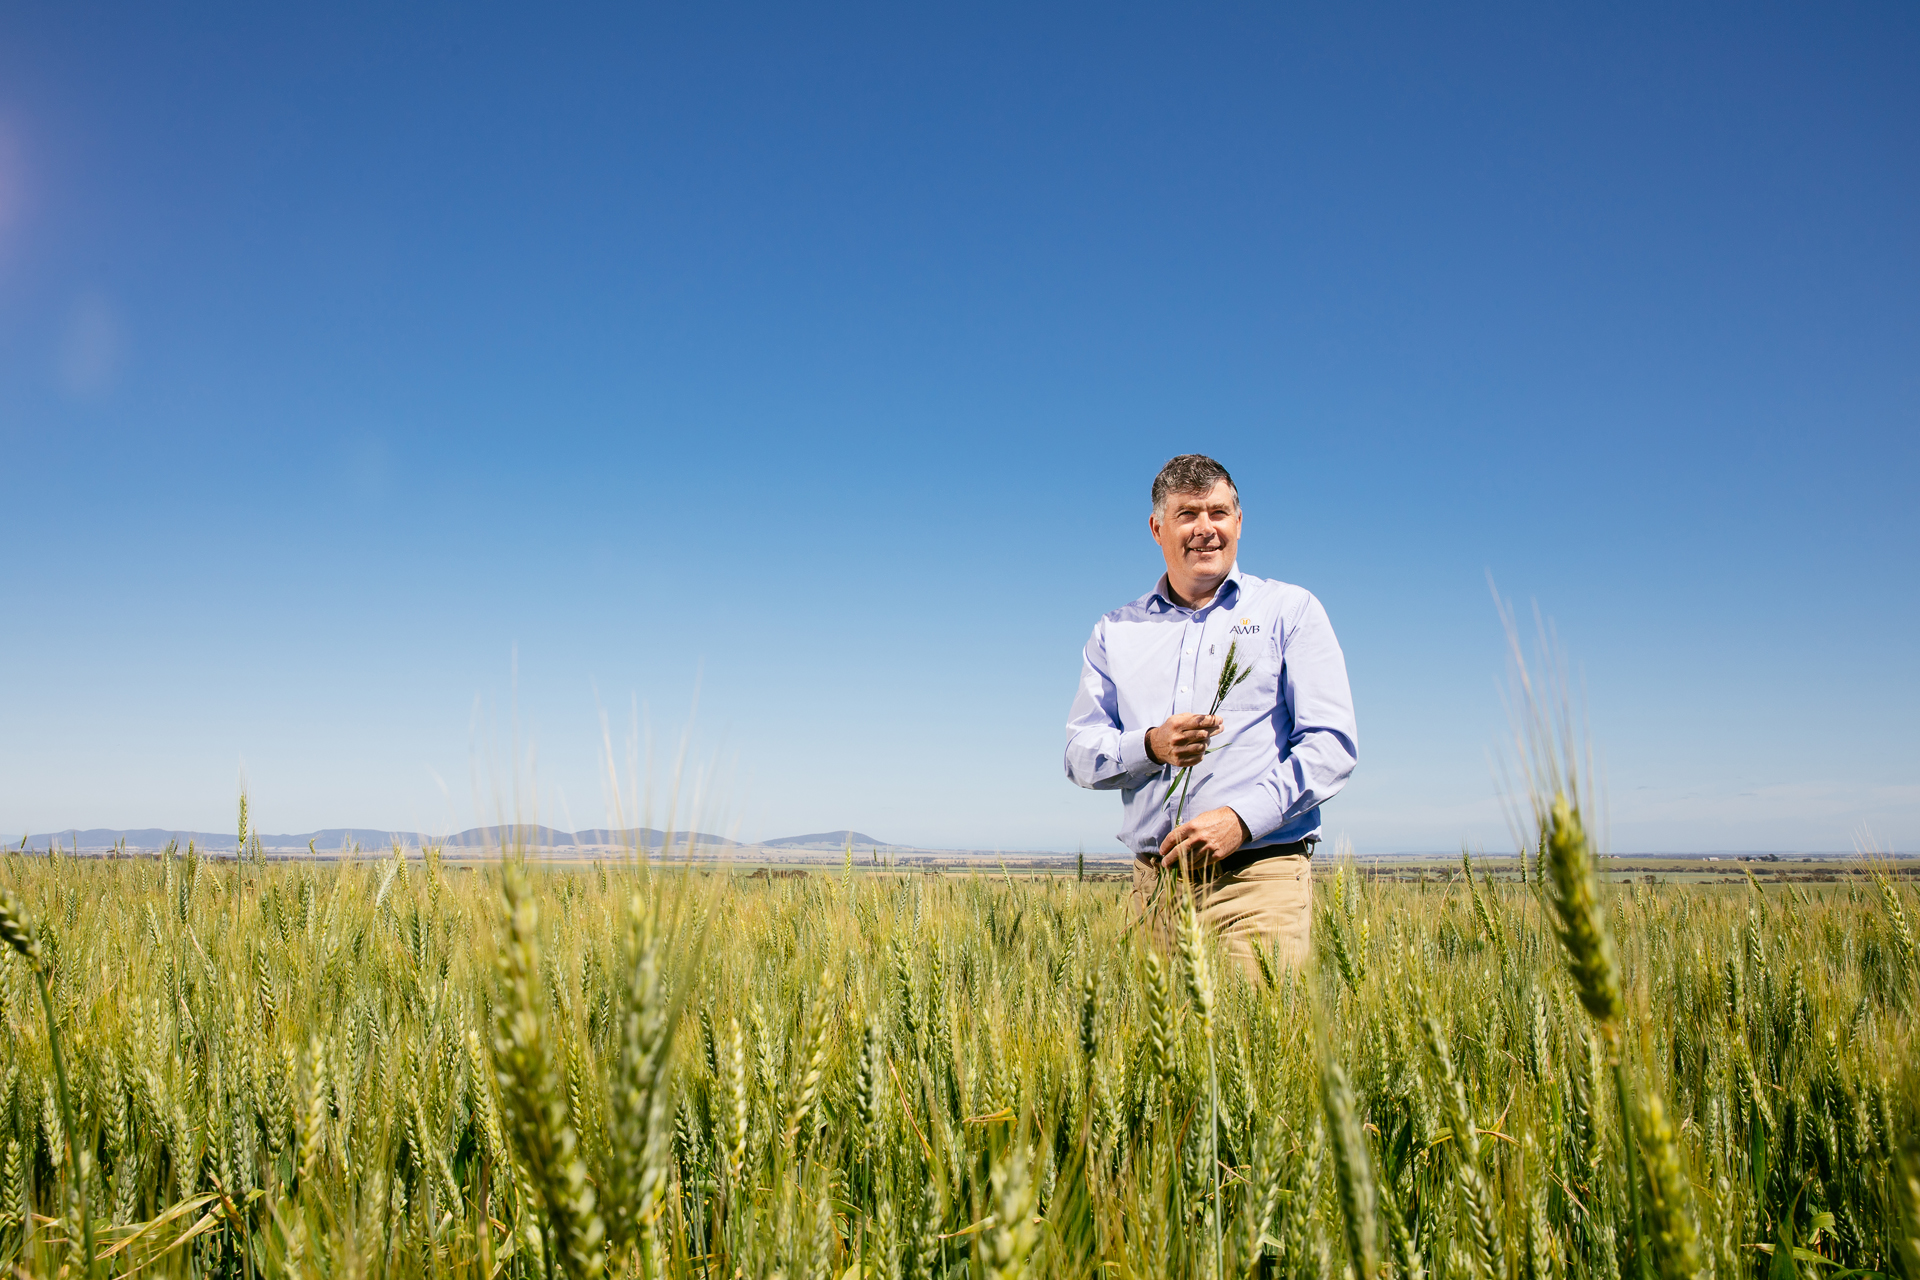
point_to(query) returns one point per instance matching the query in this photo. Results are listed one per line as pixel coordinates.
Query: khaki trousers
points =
(1268, 901)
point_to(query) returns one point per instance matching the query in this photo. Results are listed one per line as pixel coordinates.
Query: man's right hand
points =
(1181, 740)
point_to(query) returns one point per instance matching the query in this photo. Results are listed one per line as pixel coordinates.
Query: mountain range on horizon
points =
(501, 835)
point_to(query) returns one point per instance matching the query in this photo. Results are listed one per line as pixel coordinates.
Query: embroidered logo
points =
(1246, 627)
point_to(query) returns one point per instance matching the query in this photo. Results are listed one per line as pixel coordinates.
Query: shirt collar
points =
(1163, 591)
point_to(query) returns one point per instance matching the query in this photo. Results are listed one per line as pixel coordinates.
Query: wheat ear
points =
(536, 1102)
(17, 932)
(1583, 921)
(1352, 1171)
(1199, 966)
(1675, 1236)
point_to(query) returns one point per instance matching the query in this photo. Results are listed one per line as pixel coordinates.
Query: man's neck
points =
(1199, 593)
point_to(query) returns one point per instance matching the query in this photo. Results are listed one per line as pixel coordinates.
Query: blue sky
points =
(385, 392)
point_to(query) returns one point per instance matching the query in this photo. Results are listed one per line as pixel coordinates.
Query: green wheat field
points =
(408, 1067)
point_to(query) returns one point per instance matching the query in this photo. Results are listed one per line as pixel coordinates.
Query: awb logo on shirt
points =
(1245, 627)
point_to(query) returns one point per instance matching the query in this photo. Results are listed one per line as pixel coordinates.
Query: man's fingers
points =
(1191, 853)
(1196, 844)
(1201, 730)
(1175, 836)
(1182, 837)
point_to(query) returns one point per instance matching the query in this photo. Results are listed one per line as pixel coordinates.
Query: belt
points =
(1234, 863)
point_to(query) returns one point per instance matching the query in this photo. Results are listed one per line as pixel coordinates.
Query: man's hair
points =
(1190, 473)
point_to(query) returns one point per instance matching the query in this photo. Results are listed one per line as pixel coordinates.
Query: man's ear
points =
(1153, 525)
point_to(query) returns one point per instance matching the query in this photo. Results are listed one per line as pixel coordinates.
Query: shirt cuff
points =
(1134, 759)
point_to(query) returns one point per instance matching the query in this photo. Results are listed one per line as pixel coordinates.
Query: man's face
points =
(1198, 533)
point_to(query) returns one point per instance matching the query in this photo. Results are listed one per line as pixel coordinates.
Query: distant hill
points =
(824, 840)
(98, 838)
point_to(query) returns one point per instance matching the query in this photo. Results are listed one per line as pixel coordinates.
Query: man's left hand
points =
(1207, 839)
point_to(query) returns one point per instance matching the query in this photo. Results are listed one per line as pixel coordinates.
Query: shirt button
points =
(1183, 688)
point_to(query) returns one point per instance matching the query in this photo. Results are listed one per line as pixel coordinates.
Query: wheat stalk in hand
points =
(1231, 674)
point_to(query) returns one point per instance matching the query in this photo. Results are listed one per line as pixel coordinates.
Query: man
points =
(1282, 744)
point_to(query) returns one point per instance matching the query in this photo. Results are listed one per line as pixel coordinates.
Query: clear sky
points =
(819, 359)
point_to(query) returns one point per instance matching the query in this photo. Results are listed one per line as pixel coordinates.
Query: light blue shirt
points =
(1288, 743)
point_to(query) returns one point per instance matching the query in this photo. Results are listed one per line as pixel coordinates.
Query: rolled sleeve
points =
(1133, 753)
(1258, 807)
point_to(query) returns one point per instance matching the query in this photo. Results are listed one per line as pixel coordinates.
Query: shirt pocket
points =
(1258, 695)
